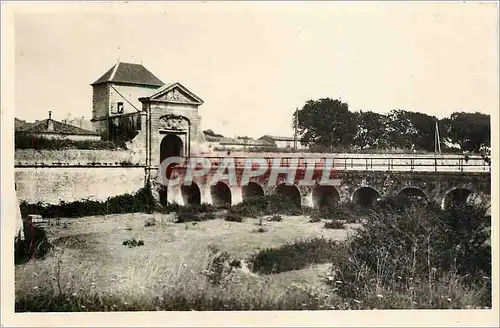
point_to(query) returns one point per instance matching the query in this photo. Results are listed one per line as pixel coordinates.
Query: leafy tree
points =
(470, 130)
(371, 130)
(325, 123)
(425, 126)
(400, 131)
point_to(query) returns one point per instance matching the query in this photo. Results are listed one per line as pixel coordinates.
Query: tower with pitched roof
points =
(117, 92)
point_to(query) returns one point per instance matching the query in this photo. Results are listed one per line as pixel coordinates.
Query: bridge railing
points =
(400, 164)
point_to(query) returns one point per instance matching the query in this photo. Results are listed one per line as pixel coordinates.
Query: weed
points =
(275, 218)
(150, 222)
(133, 243)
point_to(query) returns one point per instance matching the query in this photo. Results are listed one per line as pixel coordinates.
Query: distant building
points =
(82, 123)
(117, 93)
(282, 142)
(219, 142)
(20, 124)
(52, 129)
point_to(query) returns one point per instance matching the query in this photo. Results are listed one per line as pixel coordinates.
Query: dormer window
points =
(120, 108)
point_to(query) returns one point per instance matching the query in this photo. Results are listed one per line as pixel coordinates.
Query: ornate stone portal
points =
(173, 123)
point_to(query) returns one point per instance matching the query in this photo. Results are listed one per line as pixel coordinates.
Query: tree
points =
(371, 129)
(400, 131)
(425, 127)
(469, 130)
(325, 123)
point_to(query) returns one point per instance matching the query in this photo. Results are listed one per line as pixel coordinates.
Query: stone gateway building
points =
(163, 117)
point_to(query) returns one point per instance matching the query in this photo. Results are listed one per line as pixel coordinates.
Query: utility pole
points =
(437, 143)
(296, 119)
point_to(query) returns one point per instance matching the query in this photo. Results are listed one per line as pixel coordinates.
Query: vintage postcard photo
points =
(250, 163)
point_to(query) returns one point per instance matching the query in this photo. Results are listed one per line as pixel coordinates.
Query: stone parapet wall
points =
(53, 185)
(79, 157)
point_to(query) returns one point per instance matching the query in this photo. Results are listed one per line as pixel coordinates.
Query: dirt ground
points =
(89, 254)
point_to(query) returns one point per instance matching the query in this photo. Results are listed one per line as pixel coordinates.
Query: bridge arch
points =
(191, 194)
(457, 196)
(365, 196)
(251, 190)
(291, 192)
(221, 194)
(325, 196)
(414, 194)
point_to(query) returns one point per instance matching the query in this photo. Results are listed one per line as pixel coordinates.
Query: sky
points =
(254, 63)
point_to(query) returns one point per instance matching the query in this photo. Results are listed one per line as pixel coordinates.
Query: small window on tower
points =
(120, 107)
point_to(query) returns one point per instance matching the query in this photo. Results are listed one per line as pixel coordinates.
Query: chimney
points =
(50, 123)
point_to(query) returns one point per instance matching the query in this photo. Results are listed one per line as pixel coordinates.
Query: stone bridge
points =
(363, 179)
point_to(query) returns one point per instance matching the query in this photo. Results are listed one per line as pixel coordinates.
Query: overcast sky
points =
(254, 63)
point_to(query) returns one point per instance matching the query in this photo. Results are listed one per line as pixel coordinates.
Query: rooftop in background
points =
(130, 74)
(20, 124)
(43, 126)
(276, 138)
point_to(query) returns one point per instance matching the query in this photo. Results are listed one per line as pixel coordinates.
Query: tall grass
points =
(422, 257)
(403, 256)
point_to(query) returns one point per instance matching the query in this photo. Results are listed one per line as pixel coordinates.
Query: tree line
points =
(328, 124)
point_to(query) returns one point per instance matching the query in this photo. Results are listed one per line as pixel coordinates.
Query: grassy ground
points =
(90, 263)
(398, 257)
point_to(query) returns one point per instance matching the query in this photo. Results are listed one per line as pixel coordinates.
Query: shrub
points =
(233, 217)
(347, 212)
(266, 205)
(26, 141)
(195, 213)
(334, 224)
(219, 268)
(404, 251)
(142, 201)
(133, 243)
(296, 255)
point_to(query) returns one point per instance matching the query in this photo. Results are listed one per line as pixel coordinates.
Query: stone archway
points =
(414, 195)
(291, 192)
(251, 190)
(171, 145)
(457, 196)
(221, 194)
(191, 194)
(365, 196)
(325, 196)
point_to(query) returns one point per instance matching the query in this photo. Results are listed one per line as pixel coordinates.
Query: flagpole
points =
(437, 143)
(295, 130)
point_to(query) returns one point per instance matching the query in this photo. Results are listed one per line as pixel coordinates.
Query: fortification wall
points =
(52, 185)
